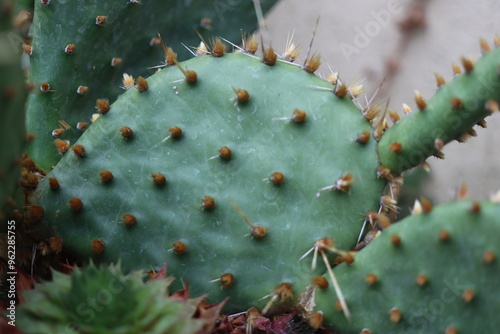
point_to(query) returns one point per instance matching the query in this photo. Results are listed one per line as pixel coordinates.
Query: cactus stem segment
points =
(227, 280)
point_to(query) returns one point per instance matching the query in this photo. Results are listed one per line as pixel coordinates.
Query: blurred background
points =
(405, 41)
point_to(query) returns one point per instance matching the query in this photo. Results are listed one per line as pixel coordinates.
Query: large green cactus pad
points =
(430, 273)
(124, 32)
(311, 155)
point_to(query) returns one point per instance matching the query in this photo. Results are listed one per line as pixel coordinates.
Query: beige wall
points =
(453, 30)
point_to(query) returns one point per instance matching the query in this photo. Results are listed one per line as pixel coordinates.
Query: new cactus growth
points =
(433, 272)
(104, 300)
(80, 53)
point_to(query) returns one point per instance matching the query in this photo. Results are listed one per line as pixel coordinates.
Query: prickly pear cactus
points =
(104, 300)
(12, 101)
(449, 115)
(227, 168)
(434, 272)
(80, 52)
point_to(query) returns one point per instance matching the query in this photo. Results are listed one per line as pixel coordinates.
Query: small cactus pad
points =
(80, 52)
(430, 273)
(104, 300)
(450, 114)
(213, 185)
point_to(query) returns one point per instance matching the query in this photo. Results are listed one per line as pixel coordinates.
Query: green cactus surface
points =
(134, 187)
(80, 52)
(450, 114)
(433, 272)
(13, 94)
(104, 300)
